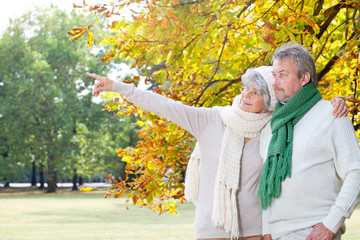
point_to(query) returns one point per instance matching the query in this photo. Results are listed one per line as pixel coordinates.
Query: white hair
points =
(252, 77)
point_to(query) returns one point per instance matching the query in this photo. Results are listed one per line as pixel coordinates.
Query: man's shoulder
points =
(318, 117)
(321, 113)
(321, 110)
(323, 106)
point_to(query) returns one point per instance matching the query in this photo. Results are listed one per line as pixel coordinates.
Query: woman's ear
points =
(305, 78)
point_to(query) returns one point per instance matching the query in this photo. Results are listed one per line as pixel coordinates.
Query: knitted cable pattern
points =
(239, 125)
(277, 166)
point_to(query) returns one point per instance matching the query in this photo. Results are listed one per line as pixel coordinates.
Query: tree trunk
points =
(42, 179)
(7, 184)
(74, 181)
(51, 175)
(81, 181)
(33, 174)
(51, 181)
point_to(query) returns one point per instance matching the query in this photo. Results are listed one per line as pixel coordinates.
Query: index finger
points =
(98, 77)
(93, 75)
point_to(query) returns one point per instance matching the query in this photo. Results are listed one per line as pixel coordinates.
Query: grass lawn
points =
(85, 216)
(31, 214)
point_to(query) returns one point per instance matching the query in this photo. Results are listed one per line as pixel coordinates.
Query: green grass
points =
(86, 216)
(353, 226)
(32, 214)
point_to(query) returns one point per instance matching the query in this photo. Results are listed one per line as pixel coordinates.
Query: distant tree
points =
(45, 89)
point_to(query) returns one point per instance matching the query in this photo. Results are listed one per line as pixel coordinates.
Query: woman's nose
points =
(246, 94)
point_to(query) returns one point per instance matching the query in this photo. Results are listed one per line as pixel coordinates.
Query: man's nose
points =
(276, 81)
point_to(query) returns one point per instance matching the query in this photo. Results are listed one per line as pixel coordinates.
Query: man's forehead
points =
(282, 65)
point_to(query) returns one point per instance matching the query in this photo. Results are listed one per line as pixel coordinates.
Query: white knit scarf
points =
(239, 125)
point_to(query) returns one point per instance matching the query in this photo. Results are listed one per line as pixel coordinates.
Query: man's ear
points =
(305, 78)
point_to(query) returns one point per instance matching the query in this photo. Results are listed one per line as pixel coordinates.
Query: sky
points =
(16, 8)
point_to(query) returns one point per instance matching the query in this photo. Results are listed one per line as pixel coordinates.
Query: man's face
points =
(286, 83)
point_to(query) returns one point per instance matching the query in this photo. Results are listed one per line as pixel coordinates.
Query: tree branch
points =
(301, 36)
(182, 50)
(318, 6)
(327, 38)
(346, 19)
(220, 55)
(330, 64)
(217, 68)
(230, 82)
(239, 79)
(228, 85)
(196, 100)
(180, 4)
(355, 90)
(245, 8)
(331, 12)
(258, 17)
(354, 21)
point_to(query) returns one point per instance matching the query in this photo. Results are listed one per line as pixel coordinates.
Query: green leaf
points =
(266, 47)
(149, 198)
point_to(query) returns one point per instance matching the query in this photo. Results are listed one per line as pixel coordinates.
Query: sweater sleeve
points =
(265, 222)
(192, 119)
(347, 163)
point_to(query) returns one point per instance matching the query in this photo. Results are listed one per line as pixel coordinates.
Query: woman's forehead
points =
(251, 85)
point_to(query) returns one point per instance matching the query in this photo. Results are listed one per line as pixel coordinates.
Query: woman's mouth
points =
(245, 102)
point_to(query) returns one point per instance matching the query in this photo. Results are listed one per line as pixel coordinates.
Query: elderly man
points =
(311, 176)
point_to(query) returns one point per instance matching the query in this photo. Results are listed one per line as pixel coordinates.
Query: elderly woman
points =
(225, 189)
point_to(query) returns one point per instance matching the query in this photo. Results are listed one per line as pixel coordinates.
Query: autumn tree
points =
(196, 52)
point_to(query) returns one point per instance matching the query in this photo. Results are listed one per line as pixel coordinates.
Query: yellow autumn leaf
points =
(87, 189)
(77, 36)
(90, 38)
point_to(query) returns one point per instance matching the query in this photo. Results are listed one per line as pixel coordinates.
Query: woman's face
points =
(252, 101)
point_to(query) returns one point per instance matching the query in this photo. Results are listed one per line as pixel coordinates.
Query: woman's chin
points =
(245, 108)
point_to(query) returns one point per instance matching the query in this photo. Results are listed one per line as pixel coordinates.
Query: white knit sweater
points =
(325, 152)
(207, 126)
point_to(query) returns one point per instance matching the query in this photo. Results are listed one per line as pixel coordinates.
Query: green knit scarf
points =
(277, 166)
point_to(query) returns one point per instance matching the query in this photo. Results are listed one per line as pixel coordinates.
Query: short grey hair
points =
(252, 77)
(303, 60)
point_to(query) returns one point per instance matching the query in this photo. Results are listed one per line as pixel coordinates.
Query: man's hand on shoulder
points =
(267, 237)
(320, 232)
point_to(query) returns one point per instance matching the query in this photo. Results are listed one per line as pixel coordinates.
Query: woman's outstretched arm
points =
(192, 119)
